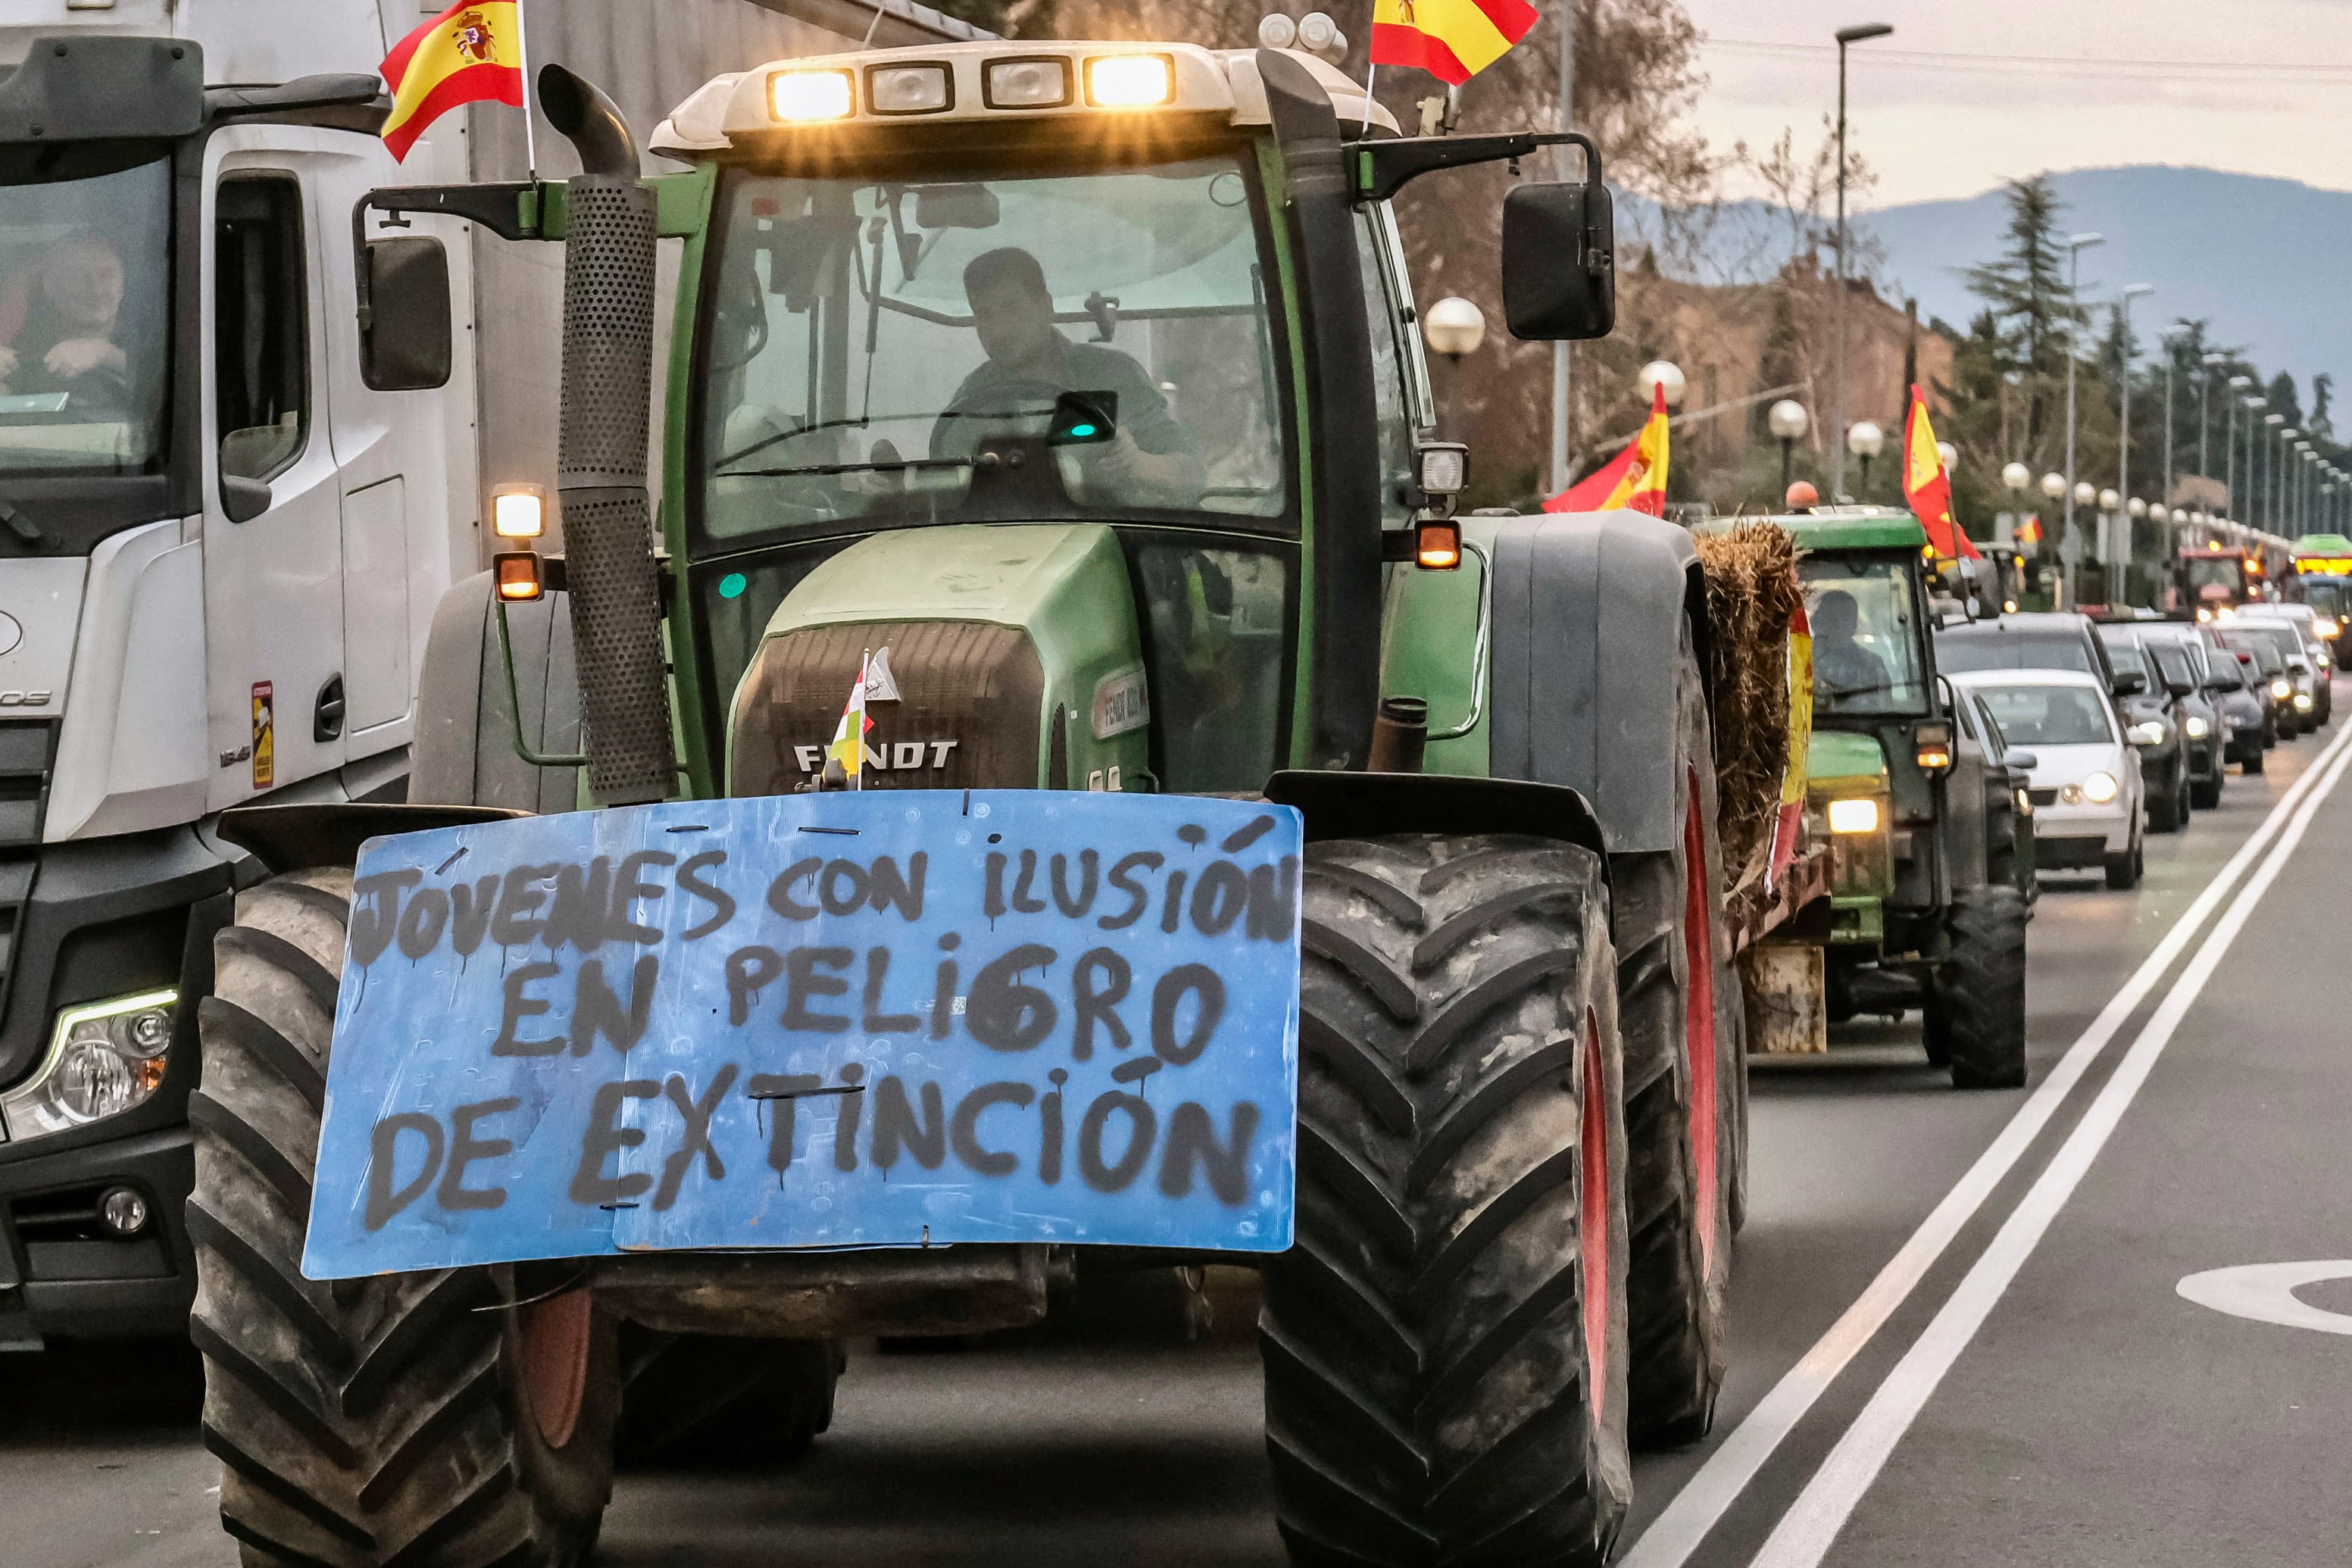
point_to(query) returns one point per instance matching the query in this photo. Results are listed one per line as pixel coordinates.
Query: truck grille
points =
(967, 717)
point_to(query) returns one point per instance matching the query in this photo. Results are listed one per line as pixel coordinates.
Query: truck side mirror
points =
(243, 499)
(1559, 270)
(405, 320)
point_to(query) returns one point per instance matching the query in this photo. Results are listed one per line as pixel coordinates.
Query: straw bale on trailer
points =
(1752, 590)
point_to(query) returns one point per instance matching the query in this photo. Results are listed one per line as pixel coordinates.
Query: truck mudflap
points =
(911, 1019)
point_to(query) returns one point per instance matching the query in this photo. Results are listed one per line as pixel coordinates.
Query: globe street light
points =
(2076, 245)
(2017, 478)
(1847, 37)
(2053, 485)
(1788, 420)
(1662, 375)
(1454, 327)
(1866, 440)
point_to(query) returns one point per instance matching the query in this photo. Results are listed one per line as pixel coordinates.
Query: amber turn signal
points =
(1933, 744)
(1437, 545)
(518, 576)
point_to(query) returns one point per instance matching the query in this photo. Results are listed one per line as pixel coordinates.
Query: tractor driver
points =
(1151, 459)
(1842, 666)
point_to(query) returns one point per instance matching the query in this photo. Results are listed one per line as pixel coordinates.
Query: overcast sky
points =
(2256, 86)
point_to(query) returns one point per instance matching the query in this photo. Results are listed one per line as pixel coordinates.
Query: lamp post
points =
(1788, 420)
(2054, 488)
(1846, 39)
(2076, 245)
(2204, 410)
(2123, 476)
(2237, 385)
(2277, 423)
(2017, 478)
(1865, 441)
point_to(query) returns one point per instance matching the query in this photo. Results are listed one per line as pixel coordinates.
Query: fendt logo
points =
(891, 756)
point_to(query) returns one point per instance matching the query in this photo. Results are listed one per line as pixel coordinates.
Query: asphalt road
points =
(1979, 1297)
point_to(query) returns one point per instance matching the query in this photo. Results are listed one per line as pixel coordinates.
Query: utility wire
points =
(2262, 72)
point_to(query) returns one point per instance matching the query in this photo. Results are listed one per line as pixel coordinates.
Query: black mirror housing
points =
(1559, 270)
(243, 499)
(2130, 683)
(405, 337)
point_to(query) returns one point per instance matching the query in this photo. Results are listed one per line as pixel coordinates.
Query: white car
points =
(2059, 726)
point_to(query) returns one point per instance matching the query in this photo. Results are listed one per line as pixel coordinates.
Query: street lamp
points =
(2017, 478)
(2123, 476)
(1663, 375)
(2237, 384)
(2270, 515)
(1866, 440)
(1788, 420)
(2204, 410)
(2076, 245)
(1454, 327)
(2053, 485)
(1846, 39)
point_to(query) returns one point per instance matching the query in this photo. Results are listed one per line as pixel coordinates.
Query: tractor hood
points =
(1838, 758)
(1002, 657)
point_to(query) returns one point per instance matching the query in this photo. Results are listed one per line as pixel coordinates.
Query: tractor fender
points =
(1366, 805)
(1588, 624)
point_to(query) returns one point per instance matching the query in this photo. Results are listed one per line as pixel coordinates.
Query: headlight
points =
(1854, 817)
(2281, 688)
(2303, 701)
(799, 97)
(103, 1059)
(2198, 729)
(2326, 625)
(2100, 788)
(2149, 732)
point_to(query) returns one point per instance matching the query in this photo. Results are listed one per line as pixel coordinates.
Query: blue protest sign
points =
(836, 1019)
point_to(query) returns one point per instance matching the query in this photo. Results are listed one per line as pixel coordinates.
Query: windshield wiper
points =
(22, 527)
(766, 442)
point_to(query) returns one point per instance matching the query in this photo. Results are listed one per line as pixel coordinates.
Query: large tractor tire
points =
(716, 1399)
(1446, 1343)
(1677, 1009)
(1978, 991)
(440, 1420)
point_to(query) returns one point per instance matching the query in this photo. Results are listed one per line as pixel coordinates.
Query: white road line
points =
(1805, 1533)
(1678, 1532)
(2266, 1293)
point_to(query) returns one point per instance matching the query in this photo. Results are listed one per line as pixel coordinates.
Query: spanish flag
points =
(1452, 41)
(1929, 487)
(2029, 533)
(1636, 479)
(471, 52)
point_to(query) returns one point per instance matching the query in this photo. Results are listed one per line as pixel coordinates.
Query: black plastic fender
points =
(1365, 806)
(329, 833)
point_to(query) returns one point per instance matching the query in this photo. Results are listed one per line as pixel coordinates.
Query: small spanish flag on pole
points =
(1636, 479)
(470, 53)
(1452, 41)
(1930, 489)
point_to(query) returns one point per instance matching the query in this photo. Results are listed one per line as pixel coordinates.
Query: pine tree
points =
(2031, 302)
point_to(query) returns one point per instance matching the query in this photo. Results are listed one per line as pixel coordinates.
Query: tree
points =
(2030, 300)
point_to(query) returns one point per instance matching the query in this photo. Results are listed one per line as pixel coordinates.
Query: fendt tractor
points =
(1931, 832)
(1086, 380)
(220, 547)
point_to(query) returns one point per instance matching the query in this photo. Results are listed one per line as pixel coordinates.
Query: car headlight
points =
(2303, 701)
(2326, 625)
(2281, 688)
(2198, 729)
(103, 1058)
(1854, 816)
(2149, 732)
(2100, 788)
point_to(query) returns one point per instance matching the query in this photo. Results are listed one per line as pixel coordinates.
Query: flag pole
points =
(530, 132)
(1371, 76)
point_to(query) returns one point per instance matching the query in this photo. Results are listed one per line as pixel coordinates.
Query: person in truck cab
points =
(1152, 459)
(59, 321)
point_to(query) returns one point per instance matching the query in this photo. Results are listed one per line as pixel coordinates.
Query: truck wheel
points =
(1445, 1343)
(364, 1421)
(1979, 990)
(1681, 1106)
(718, 1398)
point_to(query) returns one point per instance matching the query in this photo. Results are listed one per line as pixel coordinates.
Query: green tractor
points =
(1084, 379)
(1931, 832)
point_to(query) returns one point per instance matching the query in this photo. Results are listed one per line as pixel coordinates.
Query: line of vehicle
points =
(1810, 1526)
(1677, 1532)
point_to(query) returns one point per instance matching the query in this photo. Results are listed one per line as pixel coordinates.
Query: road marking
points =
(1805, 1533)
(1686, 1522)
(2265, 1292)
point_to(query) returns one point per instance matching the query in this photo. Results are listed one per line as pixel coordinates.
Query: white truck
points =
(220, 550)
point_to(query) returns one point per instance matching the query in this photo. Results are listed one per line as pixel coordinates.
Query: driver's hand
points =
(7, 363)
(1119, 462)
(80, 356)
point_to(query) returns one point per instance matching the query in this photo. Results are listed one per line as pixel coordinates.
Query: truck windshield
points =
(1867, 655)
(868, 336)
(84, 291)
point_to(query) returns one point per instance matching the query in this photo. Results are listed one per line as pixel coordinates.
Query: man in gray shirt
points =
(1152, 460)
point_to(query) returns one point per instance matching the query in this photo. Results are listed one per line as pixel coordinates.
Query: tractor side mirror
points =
(1560, 269)
(404, 330)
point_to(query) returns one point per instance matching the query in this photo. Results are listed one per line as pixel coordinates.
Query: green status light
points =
(732, 586)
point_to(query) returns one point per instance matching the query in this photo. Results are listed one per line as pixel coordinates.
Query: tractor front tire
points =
(1445, 1343)
(1978, 991)
(445, 1419)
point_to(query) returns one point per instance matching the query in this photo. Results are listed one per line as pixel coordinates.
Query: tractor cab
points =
(2323, 579)
(2212, 580)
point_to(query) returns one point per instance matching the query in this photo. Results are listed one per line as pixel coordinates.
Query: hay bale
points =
(1751, 590)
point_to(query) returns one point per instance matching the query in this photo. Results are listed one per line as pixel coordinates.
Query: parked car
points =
(2084, 777)
(2211, 731)
(2155, 722)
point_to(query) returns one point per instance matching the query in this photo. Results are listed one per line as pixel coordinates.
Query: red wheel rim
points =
(555, 1335)
(1592, 1228)
(1698, 1030)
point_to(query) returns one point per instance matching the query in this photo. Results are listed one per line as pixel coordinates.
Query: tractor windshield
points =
(1866, 654)
(2226, 573)
(886, 352)
(85, 248)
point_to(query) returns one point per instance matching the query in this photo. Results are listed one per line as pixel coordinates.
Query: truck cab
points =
(220, 546)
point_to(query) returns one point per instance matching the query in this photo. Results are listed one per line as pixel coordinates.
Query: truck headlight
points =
(2198, 729)
(2149, 732)
(2100, 788)
(1854, 816)
(104, 1058)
